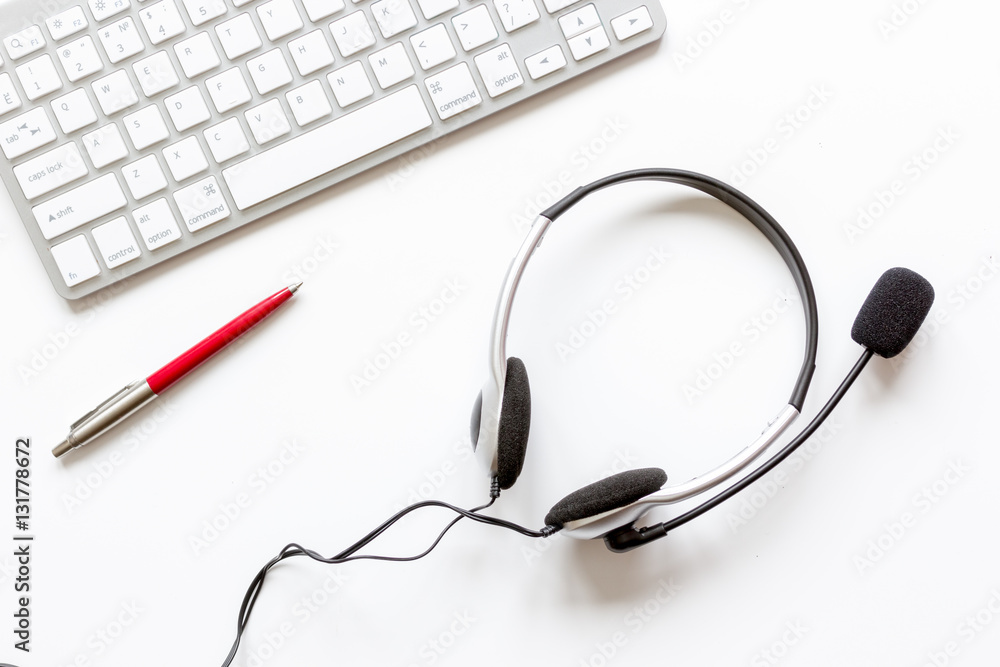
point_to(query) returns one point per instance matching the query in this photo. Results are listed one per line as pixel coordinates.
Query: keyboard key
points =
(269, 71)
(587, 44)
(320, 9)
(144, 177)
(102, 9)
(80, 58)
(545, 62)
(67, 23)
(279, 18)
(155, 73)
(432, 8)
(453, 91)
(553, 6)
(201, 204)
(162, 21)
(432, 46)
(352, 33)
(115, 242)
(197, 55)
(74, 111)
(267, 122)
(393, 16)
(187, 108)
(311, 52)
(24, 43)
(185, 158)
(580, 20)
(79, 206)
(238, 36)
(308, 103)
(105, 145)
(39, 77)
(345, 139)
(350, 84)
(515, 14)
(228, 90)
(50, 171)
(156, 224)
(632, 23)
(25, 133)
(146, 127)
(121, 40)
(391, 65)
(474, 27)
(499, 70)
(115, 92)
(75, 260)
(202, 11)
(9, 100)
(226, 140)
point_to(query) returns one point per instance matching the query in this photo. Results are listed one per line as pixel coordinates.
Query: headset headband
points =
(486, 417)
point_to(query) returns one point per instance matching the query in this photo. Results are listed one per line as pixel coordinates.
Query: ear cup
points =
(605, 495)
(515, 421)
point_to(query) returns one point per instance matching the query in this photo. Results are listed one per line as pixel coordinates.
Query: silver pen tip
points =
(294, 288)
(62, 448)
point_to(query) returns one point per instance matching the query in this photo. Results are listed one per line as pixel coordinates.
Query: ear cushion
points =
(605, 495)
(515, 421)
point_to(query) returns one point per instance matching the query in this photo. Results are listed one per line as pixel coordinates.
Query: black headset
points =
(610, 508)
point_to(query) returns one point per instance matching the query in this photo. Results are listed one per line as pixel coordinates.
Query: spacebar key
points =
(326, 148)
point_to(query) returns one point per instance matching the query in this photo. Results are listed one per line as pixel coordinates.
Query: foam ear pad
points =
(515, 421)
(605, 495)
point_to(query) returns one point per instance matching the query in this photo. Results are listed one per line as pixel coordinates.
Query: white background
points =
(815, 566)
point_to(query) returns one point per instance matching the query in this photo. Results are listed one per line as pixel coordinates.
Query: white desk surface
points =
(877, 547)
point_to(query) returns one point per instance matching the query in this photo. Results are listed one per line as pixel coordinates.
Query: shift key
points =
(79, 206)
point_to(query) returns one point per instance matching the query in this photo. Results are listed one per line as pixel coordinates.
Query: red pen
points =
(139, 393)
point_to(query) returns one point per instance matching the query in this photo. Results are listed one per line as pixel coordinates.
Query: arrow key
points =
(632, 23)
(545, 62)
(580, 20)
(588, 43)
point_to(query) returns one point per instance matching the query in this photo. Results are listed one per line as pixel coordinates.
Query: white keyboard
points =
(134, 130)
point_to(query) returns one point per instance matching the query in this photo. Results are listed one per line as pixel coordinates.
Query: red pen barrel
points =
(201, 352)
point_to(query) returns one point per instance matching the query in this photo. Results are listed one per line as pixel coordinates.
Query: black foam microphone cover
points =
(605, 495)
(893, 312)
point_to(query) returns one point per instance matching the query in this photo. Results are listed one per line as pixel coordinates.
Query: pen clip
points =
(105, 403)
